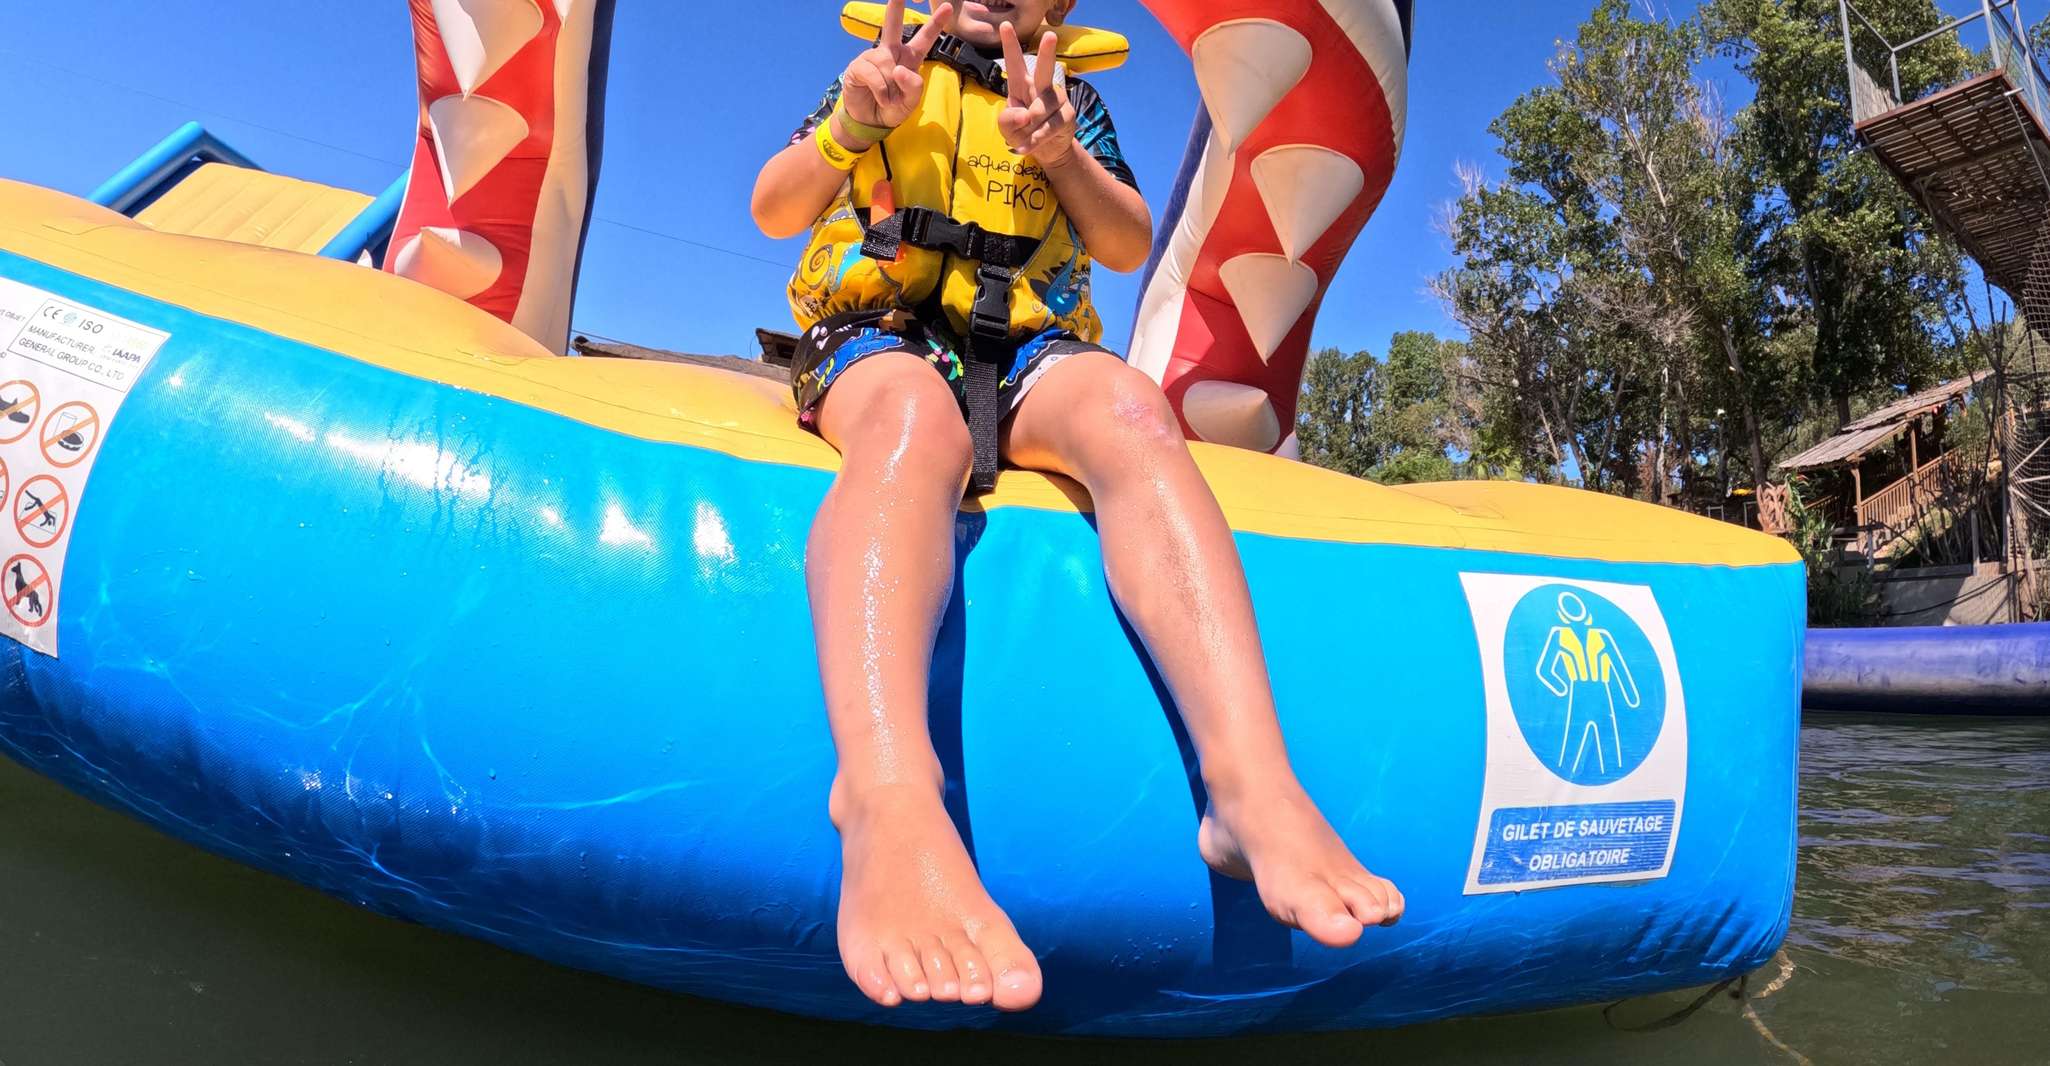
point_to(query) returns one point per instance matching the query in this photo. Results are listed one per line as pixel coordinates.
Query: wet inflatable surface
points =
(370, 591)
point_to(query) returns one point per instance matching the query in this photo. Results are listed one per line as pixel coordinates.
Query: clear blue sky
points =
(325, 91)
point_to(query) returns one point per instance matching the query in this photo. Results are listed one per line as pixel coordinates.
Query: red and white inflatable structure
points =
(506, 156)
(1303, 109)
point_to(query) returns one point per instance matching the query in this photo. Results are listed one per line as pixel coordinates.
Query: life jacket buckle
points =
(925, 228)
(882, 242)
(989, 319)
(962, 56)
(918, 227)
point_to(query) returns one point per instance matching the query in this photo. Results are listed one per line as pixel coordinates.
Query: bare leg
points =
(1175, 573)
(915, 922)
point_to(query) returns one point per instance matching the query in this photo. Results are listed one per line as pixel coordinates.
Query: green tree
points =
(1600, 282)
(1660, 300)
(1412, 411)
(1391, 421)
(1334, 418)
(1851, 286)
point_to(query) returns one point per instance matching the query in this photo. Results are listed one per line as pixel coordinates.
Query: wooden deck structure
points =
(1975, 155)
(1979, 163)
(1901, 448)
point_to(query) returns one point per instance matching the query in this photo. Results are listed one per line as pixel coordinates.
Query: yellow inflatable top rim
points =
(1084, 49)
(392, 323)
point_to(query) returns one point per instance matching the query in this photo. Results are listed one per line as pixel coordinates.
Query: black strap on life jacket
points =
(997, 258)
(985, 70)
(923, 227)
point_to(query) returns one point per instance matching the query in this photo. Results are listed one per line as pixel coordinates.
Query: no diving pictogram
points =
(27, 586)
(19, 404)
(41, 510)
(69, 435)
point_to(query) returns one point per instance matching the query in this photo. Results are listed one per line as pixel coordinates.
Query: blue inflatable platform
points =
(2003, 669)
(353, 583)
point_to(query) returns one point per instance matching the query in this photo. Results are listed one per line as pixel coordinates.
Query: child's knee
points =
(917, 430)
(1135, 413)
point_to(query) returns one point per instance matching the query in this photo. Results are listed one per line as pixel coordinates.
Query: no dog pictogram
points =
(19, 405)
(41, 510)
(26, 584)
(71, 432)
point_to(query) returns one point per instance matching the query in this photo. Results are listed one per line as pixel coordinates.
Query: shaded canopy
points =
(1858, 439)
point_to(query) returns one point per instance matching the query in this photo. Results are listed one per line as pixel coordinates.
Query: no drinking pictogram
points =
(41, 510)
(26, 584)
(19, 404)
(69, 435)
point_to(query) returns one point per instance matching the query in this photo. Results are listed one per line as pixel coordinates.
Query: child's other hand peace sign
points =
(1040, 121)
(882, 86)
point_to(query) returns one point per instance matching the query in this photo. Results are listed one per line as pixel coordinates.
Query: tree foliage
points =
(1865, 283)
(1334, 415)
(1601, 282)
(1389, 421)
(1662, 299)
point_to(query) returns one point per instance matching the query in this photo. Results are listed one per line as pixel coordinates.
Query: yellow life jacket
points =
(950, 159)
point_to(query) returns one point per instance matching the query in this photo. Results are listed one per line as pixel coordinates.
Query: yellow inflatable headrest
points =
(1083, 49)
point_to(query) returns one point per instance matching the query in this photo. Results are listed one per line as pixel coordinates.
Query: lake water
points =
(1921, 935)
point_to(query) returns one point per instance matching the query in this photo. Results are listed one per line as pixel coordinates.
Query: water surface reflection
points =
(1921, 934)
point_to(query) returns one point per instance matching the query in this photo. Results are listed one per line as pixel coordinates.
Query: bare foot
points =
(915, 922)
(1277, 839)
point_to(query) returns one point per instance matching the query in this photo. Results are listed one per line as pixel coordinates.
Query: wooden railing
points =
(1896, 508)
(1898, 503)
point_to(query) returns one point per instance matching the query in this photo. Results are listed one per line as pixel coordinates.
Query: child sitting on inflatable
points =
(956, 193)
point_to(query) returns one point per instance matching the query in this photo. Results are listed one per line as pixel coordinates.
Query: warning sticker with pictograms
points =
(68, 434)
(30, 600)
(19, 405)
(64, 371)
(40, 510)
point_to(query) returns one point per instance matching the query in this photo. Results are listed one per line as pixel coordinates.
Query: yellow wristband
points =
(874, 134)
(837, 155)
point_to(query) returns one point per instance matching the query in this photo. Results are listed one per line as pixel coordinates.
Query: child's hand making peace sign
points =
(1040, 122)
(882, 86)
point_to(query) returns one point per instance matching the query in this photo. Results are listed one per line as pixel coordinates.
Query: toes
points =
(908, 972)
(1320, 912)
(868, 973)
(940, 977)
(1367, 900)
(975, 973)
(1396, 904)
(1015, 980)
